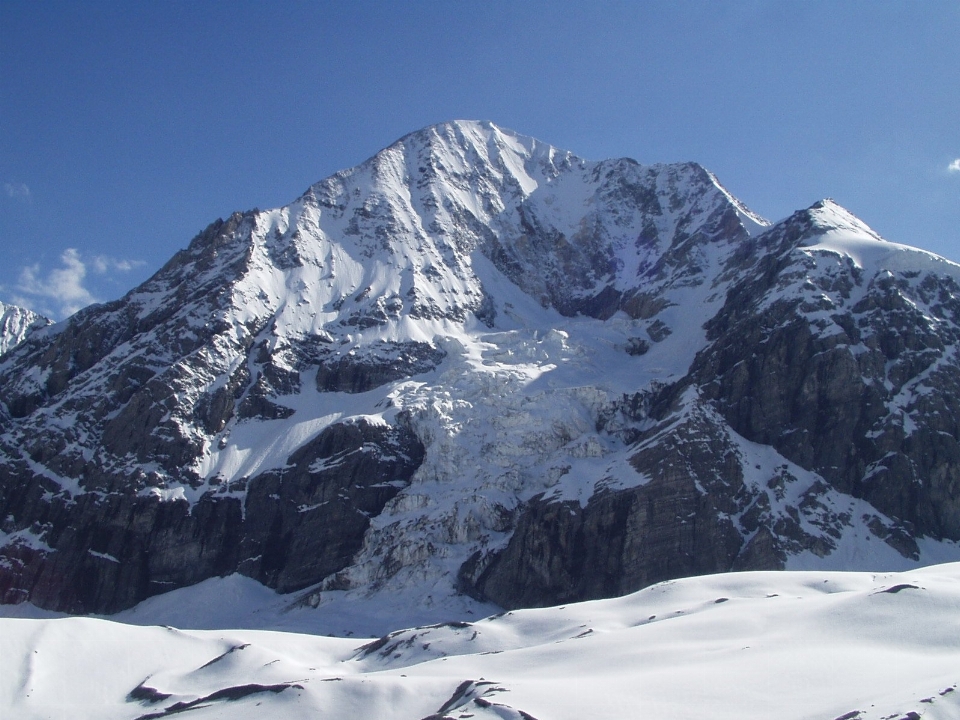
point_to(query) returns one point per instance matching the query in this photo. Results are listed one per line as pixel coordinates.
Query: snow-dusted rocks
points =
(478, 364)
(16, 323)
(846, 362)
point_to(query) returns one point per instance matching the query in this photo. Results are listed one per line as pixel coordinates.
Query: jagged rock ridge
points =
(476, 363)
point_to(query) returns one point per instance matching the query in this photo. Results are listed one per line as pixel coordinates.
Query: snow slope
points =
(742, 646)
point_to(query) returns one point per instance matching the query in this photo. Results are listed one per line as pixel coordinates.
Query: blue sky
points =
(126, 128)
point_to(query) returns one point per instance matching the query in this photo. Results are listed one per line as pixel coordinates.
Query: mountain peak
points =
(828, 213)
(834, 229)
(469, 132)
(16, 324)
(427, 361)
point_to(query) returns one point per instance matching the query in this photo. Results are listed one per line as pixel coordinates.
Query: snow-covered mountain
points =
(16, 323)
(743, 646)
(477, 369)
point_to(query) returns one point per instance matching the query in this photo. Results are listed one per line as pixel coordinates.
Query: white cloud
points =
(17, 191)
(62, 291)
(954, 166)
(102, 264)
(63, 285)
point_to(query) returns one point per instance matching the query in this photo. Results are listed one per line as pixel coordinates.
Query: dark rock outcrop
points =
(678, 523)
(383, 363)
(105, 552)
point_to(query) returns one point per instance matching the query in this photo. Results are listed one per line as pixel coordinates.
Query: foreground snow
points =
(750, 645)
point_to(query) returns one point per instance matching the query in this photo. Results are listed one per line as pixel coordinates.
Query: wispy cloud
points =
(954, 166)
(62, 291)
(102, 264)
(16, 191)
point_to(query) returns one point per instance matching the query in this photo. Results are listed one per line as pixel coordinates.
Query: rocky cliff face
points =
(476, 363)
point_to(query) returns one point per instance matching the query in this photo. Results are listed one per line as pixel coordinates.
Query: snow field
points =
(743, 645)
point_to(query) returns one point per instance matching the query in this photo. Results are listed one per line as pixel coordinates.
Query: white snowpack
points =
(741, 646)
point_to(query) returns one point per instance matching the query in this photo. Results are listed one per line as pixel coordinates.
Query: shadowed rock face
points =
(676, 524)
(388, 362)
(620, 542)
(104, 553)
(826, 408)
(571, 379)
